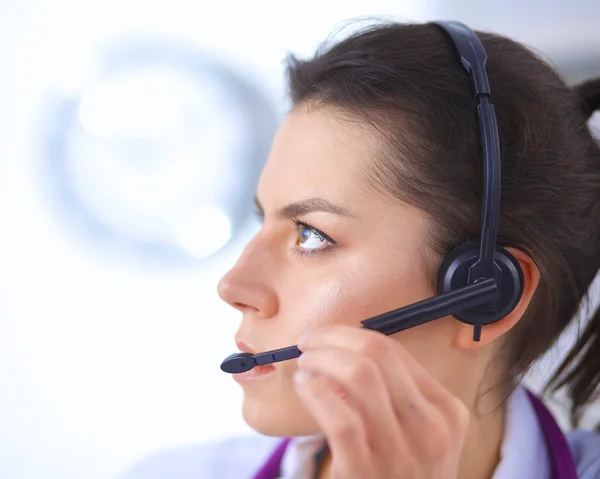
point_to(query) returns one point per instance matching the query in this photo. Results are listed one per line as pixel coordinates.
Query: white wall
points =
(103, 361)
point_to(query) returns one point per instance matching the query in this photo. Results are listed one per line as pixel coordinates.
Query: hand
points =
(382, 413)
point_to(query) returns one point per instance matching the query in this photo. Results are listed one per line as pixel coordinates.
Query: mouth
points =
(257, 372)
(244, 347)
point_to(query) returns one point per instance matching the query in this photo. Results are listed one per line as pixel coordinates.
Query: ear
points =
(490, 332)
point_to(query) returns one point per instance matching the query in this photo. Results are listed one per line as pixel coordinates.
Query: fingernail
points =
(304, 339)
(301, 376)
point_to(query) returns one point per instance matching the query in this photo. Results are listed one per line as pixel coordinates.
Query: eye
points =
(311, 239)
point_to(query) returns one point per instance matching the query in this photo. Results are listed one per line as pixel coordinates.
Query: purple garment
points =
(271, 469)
(562, 466)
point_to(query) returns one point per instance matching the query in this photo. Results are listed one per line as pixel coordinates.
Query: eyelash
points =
(319, 234)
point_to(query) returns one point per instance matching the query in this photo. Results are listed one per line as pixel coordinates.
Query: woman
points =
(374, 176)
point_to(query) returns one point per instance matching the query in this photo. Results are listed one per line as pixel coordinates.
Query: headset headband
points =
(473, 58)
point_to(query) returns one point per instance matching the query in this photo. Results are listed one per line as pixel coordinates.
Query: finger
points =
(361, 379)
(426, 411)
(387, 353)
(339, 423)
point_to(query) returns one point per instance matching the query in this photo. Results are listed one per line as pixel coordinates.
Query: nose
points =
(248, 286)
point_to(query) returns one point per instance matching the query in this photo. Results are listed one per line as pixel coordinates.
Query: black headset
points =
(479, 282)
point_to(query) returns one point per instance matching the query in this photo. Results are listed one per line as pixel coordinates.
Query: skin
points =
(405, 404)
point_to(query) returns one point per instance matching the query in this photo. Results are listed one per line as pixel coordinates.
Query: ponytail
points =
(589, 96)
(580, 370)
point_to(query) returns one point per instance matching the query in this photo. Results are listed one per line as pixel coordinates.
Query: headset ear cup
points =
(454, 271)
(447, 275)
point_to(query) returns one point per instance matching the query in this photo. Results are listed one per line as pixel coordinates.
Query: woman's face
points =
(332, 249)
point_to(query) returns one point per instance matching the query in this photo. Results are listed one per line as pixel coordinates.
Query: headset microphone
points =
(479, 282)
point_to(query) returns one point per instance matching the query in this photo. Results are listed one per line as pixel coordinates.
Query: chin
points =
(277, 419)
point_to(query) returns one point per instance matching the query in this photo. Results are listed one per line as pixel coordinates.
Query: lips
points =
(257, 371)
(244, 347)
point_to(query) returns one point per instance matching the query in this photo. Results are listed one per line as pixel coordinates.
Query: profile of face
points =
(332, 249)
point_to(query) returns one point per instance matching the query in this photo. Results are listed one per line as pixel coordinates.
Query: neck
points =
(481, 451)
(325, 467)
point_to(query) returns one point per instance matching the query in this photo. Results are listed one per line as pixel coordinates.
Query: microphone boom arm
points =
(452, 302)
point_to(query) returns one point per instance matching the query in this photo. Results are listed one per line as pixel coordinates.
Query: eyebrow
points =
(303, 207)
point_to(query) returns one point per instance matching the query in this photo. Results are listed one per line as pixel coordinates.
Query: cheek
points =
(372, 289)
(321, 301)
(358, 290)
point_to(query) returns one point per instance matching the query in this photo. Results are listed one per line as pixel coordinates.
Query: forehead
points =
(320, 154)
(317, 150)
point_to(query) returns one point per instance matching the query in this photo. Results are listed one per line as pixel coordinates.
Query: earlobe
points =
(490, 332)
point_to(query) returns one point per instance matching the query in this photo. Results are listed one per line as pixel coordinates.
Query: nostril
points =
(243, 306)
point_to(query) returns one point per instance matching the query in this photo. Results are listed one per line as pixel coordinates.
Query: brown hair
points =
(407, 81)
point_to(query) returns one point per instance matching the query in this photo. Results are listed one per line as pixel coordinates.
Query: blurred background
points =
(131, 137)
